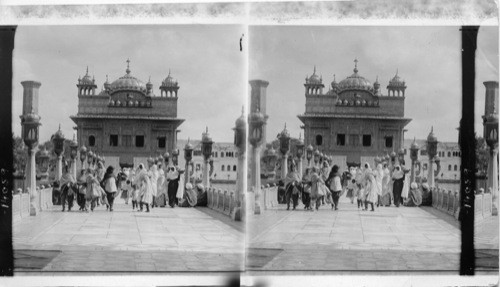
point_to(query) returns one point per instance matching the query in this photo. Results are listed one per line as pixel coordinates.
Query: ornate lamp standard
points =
(240, 143)
(393, 158)
(401, 156)
(309, 154)
(175, 156)
(83, 155)
(256, 125)
(188, 155)
(206, 149)
(166, 157)
(414, 159)
(73, 146)
(490, 123)
(58, 141)
(30, 121)
(90, 159)
(316, 157)
(431, 153)
(284, 138)
(300, 153)
(43, 160)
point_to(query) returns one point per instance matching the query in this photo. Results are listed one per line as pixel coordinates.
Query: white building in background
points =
(448, 152)
(224, 156)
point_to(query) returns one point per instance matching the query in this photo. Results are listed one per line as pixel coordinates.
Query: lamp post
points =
(490, 131)
(30, 122)
(401, 156)
(166, 157)
(175, 156)
(188, 155)
(206, 148)
(73, 146)
(240, 143)
(269, 160)
(58, 141)
(284, 138)
(83, 155)
(431, 153)
(90, 158)
(316, 157)
(300, 153)
(43, 160)
(414, 159)
(256, 124)
(309, 154)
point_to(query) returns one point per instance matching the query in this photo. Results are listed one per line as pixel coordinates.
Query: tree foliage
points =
(482, 155)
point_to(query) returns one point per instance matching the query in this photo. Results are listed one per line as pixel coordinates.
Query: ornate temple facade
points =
(126, 122)
(353, 120)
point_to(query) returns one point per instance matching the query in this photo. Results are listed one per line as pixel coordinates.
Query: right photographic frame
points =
(356, 160)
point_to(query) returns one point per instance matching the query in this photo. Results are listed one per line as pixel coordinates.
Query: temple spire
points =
(128, 66)
(355, 65)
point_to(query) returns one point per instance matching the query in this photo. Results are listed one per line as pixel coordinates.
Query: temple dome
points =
(355, 81)
(396, 81)
(314, 79)
(128, 82)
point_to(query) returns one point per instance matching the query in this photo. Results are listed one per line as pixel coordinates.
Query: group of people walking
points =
(145, 188)
(322, 185)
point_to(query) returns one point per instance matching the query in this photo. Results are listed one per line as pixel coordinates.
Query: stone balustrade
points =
(21, 202)
(220, 200)
(449, 202)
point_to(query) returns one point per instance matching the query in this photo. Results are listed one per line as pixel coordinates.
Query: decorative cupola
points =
(149, 86)
(106, 84)
(396, 87)
(335, 85)
(314, 84)
(376, 87)
(169, 87)
(86, 85)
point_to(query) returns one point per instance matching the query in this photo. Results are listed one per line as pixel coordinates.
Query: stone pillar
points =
(412, 177)
(256, 177)
(493, 178)
(206, 177)
(430, 174)
(31, 181)
(299, 161)
(284, 166)
(240, 186)
(59, 167)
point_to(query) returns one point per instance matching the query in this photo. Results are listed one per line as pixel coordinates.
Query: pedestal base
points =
(237, 214)
(257, 209)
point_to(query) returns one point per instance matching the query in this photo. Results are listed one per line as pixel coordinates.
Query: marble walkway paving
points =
(166, 239)
(389, 239)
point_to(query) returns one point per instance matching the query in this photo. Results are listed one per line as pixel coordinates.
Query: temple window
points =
(319, 140)
(221, 154)
(234, 167)
(449, 167)
(367, 140)
(222, 167)
(228, 168)
(449, 154)
(91, 140)
(139, 141)
(388, 141)
(455, 168)
(162, 142)
(113, 140)
(341, 139)
(354, 140)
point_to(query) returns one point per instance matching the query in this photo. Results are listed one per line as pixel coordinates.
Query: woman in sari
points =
(359, 190)
(325, 173)
(292, 181)
(414, 196)
(161, 189)
(318, 188)
(398, 178)
(371, 188)
(190, 196)
(379, 178)
(173, 178)
(110, 186)
(306, 189)
(93, 191)
(146, 190)
(153, 175)
(335, 186)
(385, 199)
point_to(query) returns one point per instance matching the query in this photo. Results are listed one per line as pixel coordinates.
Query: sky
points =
(205, 60)
(427, 58)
